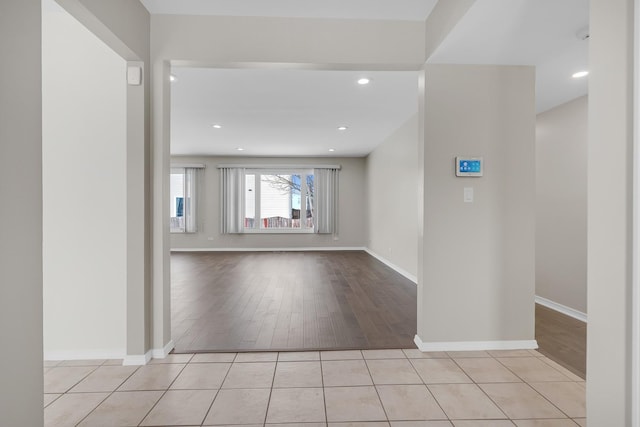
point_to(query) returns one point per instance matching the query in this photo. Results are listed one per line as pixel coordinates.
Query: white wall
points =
(392, 193)
(84, 192)
(477, 280)
(352, 199)
(561, 204)
(287, 40)
(609, 213)
(21, 381)
(124, 26)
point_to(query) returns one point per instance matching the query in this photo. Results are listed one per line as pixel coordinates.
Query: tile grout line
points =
(219, 388)
(377, 392)
(81, 379)
(545, 398)
(509, 369)
(324, 397)
(541, 359)
(536, 391)
(95, 367)
(91, 411)
(430, 392)
(273, 378)
(489, 397)
(482, 390)
(109, 394)
(528, 385)
(164, 392)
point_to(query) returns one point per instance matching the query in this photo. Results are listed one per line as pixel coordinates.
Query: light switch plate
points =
(468, 195)
(134, 76)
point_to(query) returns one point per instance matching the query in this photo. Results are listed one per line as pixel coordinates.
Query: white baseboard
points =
(305, 249)
(143, 359)
(85, 354)
(475, 345)
(137, 360)
(161, 353)
(562, 309)
(391, 265)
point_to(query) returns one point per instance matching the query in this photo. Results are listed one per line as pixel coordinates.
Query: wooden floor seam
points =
(289, 301)
(317, 300)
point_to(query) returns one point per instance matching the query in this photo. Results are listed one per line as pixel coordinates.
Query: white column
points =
(476, 267)
(21, 383)
(138, 283)
(161, 337)
(610, 213)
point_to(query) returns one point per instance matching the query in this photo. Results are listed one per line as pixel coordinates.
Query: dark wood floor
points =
(562, 339)
(230, 301)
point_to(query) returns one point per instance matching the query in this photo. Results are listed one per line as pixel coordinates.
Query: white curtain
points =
(326, 200)
(190, 200)
(232, 188)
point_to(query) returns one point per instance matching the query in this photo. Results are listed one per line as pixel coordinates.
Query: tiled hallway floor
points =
(334, 388)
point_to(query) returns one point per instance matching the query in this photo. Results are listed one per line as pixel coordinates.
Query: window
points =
(182, 200)
(280, 200)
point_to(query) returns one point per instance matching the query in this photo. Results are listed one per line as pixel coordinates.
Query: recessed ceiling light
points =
(216, 126)
(363, 81)
(172, 78)
(342, 128)
(332, 149)
(240, 149)
(580, 74)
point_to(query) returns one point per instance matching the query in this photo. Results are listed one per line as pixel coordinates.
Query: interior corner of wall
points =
(137, 359)
(161, 353)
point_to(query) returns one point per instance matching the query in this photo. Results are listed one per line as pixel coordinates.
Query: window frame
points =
(258, 172)
(177, 171)
(193, 194)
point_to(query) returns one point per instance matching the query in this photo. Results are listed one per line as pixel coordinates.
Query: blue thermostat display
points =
(468, 166)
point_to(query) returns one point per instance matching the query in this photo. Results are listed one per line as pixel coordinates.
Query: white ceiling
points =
(525, 32)
(274, 112)
(270, 112)
(409, 10)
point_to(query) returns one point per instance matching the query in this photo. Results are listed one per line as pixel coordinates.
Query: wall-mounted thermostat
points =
(468, 166)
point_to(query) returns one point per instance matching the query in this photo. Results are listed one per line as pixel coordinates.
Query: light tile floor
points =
(376, 388)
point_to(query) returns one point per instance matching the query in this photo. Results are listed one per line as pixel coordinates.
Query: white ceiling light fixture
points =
(332, 150)
(216, 126)
(240, 149)
(580, 74)
(364, 81)
(172, 78)
(342, 128)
